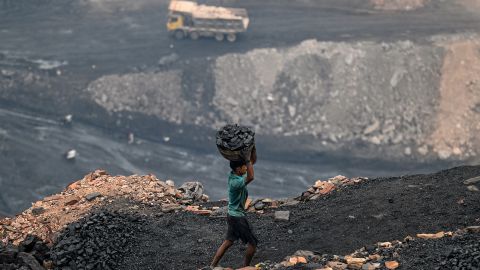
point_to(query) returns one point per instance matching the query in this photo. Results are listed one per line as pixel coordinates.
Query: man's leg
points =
(249, 254)
(221, 250)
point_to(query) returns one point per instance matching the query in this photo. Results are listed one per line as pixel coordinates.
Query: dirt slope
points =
(457, 120)
(379, 210)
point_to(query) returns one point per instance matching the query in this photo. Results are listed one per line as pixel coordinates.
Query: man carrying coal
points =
(241, 175)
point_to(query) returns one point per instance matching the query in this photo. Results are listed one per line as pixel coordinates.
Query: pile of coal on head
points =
(235, 137)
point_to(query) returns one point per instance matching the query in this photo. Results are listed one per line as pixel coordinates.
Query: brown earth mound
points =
(46, 218)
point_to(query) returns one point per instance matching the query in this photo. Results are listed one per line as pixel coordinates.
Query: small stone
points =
(473, 188)
(385, 244)
(423, 150)
(297, 259)
(472, 181)
(374, 257)
(324, 187)
(290, 232)
(431, 236)
(71, 154)
(72, 200)
(204, 212)
(48, 264)
(92, 196)
(38, 211)
(355, 263)
(337, 265)
(282, 215)
(304, 253)
(259, 205)
(167, 208)
(373, 127)
(170, 183)
(370, 266)
(473, 229)
(444, 154)
(391, 265)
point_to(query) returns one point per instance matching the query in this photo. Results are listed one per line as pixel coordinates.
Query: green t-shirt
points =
(237, 195)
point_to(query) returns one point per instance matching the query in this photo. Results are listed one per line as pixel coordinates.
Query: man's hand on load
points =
(245, 155)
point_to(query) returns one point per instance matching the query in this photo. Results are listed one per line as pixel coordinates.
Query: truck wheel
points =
(194, 35)
(179, 34)
(231, 37)
(219, 36)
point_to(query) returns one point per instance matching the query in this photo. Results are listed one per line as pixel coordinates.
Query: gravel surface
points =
(380, 210)
(462, 252)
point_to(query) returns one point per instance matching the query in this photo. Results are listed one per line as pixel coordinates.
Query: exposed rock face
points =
(148, 93)
(390, 97)
(336, 90)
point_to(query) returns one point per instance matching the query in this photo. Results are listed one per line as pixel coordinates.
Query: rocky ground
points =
(143, 223)
(346, 80)
(398, 99)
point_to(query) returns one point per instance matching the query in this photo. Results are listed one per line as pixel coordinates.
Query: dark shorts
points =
(239, 228)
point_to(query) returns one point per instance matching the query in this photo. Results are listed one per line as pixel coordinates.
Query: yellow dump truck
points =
(189, 19)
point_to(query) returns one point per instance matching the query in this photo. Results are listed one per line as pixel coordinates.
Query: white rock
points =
(423, 150)
(71, 154)
(291, 110)
(170, 183)
(444, 154)
(282, 215)
(375, 140)
(457, 151)
(473, 188)
(373, 127)
(131, 138)
(68, 118)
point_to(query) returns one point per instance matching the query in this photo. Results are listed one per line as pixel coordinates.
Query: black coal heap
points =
(235, 137)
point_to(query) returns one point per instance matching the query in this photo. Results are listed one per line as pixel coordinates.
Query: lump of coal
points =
(235, 137)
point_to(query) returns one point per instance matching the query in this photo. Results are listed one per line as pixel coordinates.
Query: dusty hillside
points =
(140, 222)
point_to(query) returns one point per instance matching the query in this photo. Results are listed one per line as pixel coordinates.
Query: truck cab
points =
(175, 22)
